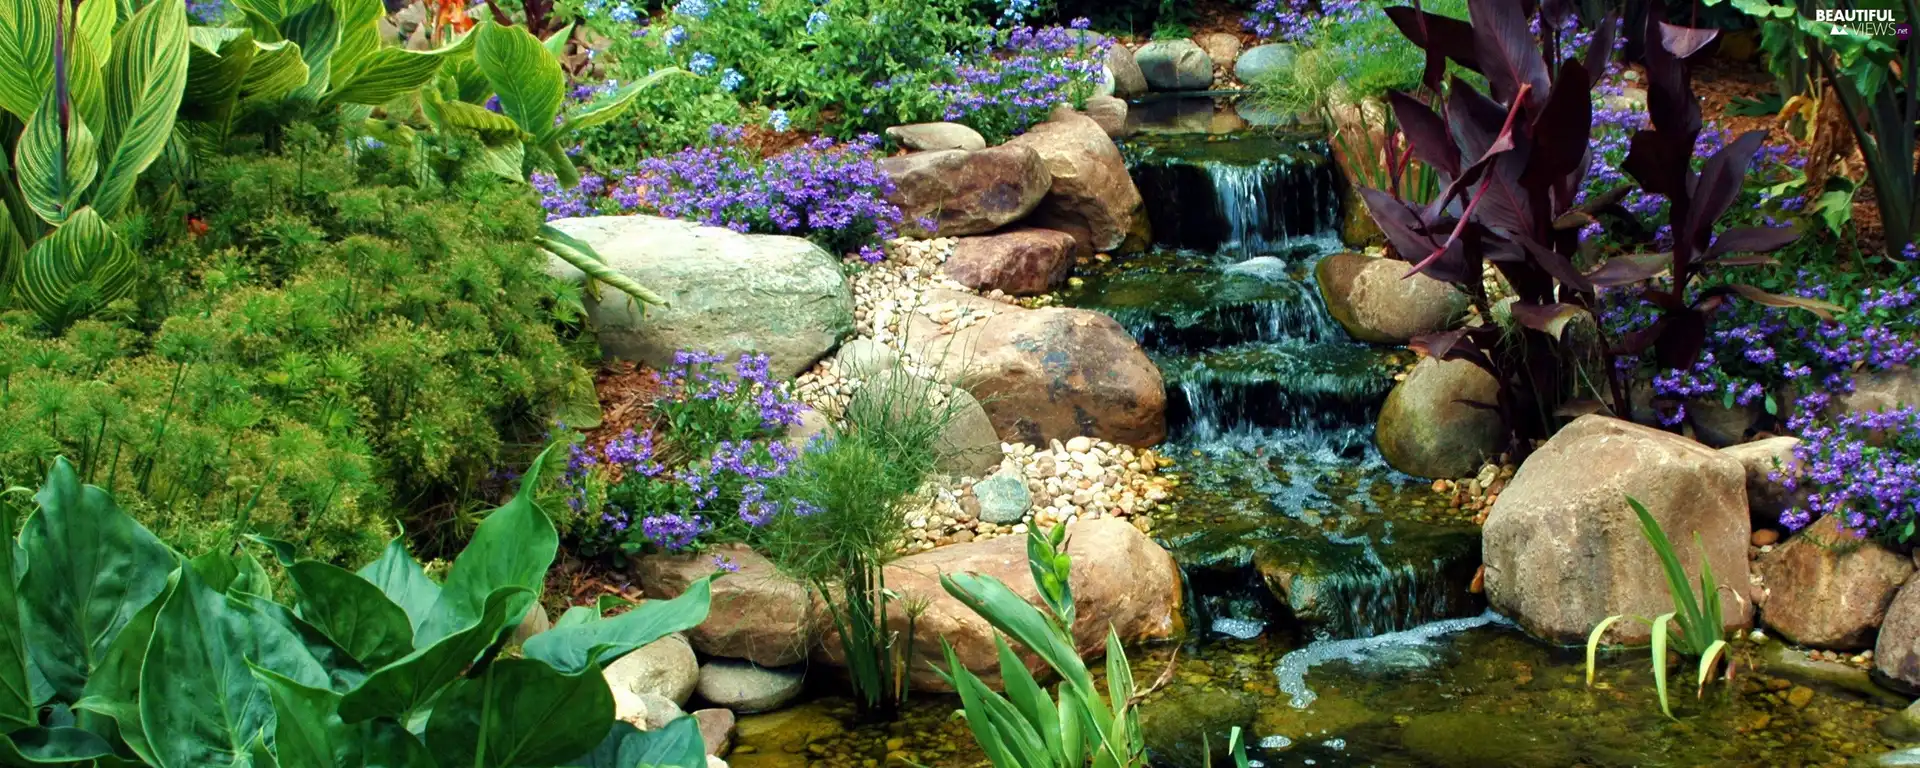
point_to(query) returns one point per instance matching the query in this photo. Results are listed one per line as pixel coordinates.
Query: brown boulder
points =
(1564, 551)
(1827, 589)
(1020, 262)
(1767, 498)
(1046, 374)
(1896, 654)
(966, 193)
(1110, 113)
(1090, 183)
(1128, 81)
(756, 614)
(1377, 302)
(1221, 47)
(1120, 579)
(1429, 427)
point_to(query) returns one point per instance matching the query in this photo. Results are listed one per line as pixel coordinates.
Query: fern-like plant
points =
(1697, 617)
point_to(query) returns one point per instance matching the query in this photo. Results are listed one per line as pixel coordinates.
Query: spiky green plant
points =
(1701, 634)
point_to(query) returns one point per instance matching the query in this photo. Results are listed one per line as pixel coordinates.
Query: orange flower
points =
(451, 13)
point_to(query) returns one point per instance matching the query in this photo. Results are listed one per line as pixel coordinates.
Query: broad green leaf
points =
(520, 712)
(294, 648)
(17, 702)
(527, 79)
(489, 126)
(1012, 614)
(359, 35)
(252, 578)
(75, 269)
(400, 688)
(576, 616)
(145, 79)
(465, 80)
(1706, 664)
(272, 11)
(678, 743)
(556, 43)
(388, 72)
(114, 689)
(278, 70)
(606, 109)
(316, 30)
(216, 569)
(1026, 695)
(52, 746)
(26, 55)
(217, 67)
(583, 257)
(1593, 643)
(973, 694)
(199, 703)
(401, 579)
(512, 547)
(283, 551)
(308, 732)
(387, 744)
(1659, 653)
(353, 612)
(95, 22)
(91, 569)
(578, 647)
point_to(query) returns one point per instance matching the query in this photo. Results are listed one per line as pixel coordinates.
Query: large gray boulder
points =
(1770, 464)
(665, 668)
(1564, 551)
(1430, 425)
(966, 193)
(1128, 81)
(1175, 65)
(1261, 61)
(1055, 374)
(926, 137)
(746, 688)
(727, 292)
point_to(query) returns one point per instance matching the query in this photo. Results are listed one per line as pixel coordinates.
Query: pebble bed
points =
(1071, 480)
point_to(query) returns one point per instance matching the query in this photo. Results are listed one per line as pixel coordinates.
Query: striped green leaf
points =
(26, 55)
(389, 72)
(359, 36)
(278, 69)
(490, 127)
(611, 107)
(145, 80)
(272, 11)
(54, 169)
(583, 257)
(556, 43)
(217, 66)
(76, 269)
(464, 81)
(86, 82)
(317, 31)
(96, 22)
(527, 78)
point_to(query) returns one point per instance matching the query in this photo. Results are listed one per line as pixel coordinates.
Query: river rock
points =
(1175, 65)
(1222, 49)
(1128, 81)
(535, 622)
(645, 711)
(1110, 113)
(1023, 261)
(729, 292)
(746, 688)
(1120, 579)
(928, 137)
(1046, 374)
(1719, 426)
(864, 358)
(1767, 497)
(716, 729)
(1793, 664)
(1563, 550)
(966, 193)
(1427, 427)
(1375, 300)
(1883, 391)
(1004, 498)
(1827, 589)
(666, 668)
(1896, 654)
(1183, 726)
(1260, 61)
(1090, 182)
(756, 614)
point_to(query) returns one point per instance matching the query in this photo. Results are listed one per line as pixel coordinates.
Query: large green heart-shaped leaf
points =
(400, 578)
(597, 643)
(528, 80)
(114, 689)
(299, 650)
(520, 712)
(17, 702)
(91, 568)
(26, 55)
(55, 167)
(52, 746)
(76, 269)
(512, 547)
(353, 612)
(677, 744)
(307, 732)
(398, 689)
(145, 79)
(199, 701)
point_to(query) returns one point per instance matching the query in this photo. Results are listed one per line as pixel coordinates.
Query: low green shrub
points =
(311, 344)
(145, 656)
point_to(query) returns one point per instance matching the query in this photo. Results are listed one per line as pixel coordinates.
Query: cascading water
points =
(1270, 402)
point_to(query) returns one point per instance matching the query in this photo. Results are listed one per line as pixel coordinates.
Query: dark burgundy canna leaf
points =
(1680, 342)
(1600, 51)
(1457, 344)
(1401, 223)
(1504, 204)
(1655, 162)
(1670, 102)
(1684, 42)
(1448, 264)
(1426, 134)
(1821, 309)
(1473, 119)
(1451, 37)
(1550, 319)
(1508, 54)
(1562, 131)
(1630, 269)
(1751, 240)
(1635, 342)
(1748, 260)
(1556, 264)
(1556, 12)
(1719, 184)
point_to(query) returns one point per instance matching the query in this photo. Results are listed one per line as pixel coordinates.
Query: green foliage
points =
(156, 659)
(1025, 726)
(330, 347)
(1701, 630)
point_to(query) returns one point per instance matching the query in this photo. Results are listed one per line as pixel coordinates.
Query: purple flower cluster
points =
(1865, 468)
(210, 12)
(830, 191)
(1004, 90)
(1296, 19)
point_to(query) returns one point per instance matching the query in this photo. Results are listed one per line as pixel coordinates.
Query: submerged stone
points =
(1187, 728)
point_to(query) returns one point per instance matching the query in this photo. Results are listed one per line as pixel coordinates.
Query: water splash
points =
(1295, 665)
